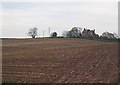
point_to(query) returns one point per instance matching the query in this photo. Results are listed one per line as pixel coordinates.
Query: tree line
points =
(76, 32)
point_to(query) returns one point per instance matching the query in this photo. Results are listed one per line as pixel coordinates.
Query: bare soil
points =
(59, 61)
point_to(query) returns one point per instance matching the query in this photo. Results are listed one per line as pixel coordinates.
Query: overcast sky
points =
(19, 17)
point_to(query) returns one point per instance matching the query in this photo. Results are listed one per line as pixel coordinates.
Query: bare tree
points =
(65, 34)
(32, 32)
(75, 32)
(116, 35)
(107, 35)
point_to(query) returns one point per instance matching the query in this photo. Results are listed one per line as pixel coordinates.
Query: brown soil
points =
(59, 61)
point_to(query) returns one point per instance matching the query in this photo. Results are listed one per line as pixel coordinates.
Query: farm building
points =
(86, 33)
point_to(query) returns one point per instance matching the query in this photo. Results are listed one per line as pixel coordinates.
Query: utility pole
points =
(49, 31)
(43, 33)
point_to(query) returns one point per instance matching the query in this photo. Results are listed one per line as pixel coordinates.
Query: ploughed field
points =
(56, 60)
